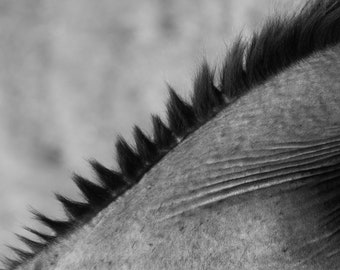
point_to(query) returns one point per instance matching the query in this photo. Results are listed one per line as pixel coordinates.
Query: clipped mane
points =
(279, 44)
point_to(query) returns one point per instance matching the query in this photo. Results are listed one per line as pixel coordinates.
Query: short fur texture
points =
(281, 43)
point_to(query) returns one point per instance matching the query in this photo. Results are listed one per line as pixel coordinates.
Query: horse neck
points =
(296, 108)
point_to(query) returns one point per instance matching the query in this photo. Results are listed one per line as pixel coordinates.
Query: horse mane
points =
(281, 42)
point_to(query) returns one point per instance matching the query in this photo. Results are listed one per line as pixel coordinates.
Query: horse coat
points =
(242, 176)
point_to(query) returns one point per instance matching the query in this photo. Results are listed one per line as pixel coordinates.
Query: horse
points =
(245, 175)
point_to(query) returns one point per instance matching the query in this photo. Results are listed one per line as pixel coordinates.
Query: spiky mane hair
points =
(279, 44)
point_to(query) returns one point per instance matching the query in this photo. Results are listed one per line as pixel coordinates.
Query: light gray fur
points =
(184, 214)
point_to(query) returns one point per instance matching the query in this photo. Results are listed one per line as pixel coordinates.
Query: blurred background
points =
(74, 74)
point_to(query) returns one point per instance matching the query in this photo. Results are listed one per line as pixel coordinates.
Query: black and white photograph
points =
(169, 135)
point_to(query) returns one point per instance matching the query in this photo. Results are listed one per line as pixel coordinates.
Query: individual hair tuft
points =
(181, 116)
(11, 264)
(22, 255)
(206, 99)
(74, 210)
(112, 180)
(58, 226)
(147, 150)
(130, 163)
(95, 195)
(164, 138)
(35, 246)
(45, 237)
(233, 78)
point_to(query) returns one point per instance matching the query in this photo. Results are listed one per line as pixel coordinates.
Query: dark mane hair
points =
(279, 44)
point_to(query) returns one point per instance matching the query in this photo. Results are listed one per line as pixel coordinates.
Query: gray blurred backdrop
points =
(75, 73)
